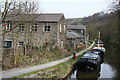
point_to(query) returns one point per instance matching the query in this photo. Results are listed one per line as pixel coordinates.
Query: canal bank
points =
(29, 70)
(58, 71)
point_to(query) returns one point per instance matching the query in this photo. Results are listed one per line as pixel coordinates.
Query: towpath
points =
(19, 71)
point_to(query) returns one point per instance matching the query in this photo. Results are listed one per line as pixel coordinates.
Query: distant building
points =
(35, 29)
(76, 35)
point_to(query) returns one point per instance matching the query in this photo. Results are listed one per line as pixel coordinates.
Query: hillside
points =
(74, 21)
(106, 23)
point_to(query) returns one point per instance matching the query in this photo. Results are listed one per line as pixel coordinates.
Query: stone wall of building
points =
(62, 33)
(39, 37)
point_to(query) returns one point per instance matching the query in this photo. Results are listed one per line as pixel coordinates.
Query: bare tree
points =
(115, 6)
(18, 9)
(24, 7)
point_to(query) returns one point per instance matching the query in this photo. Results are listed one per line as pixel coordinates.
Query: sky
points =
(74, 8)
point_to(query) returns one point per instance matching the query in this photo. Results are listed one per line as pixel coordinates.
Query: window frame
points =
(34, 27)
(20, 43)
(60, 27)
(9, 26)
(47, 28)
(64, 28)
(21, 27)
(7, 44)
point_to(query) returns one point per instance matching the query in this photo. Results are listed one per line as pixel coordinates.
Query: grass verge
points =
(62, 66)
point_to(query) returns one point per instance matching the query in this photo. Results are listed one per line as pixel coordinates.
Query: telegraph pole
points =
(98, 38)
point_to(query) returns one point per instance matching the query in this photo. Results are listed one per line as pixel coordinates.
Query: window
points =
(20, 43)
(64, 28)
(60, 28)
(21, 27)
(8, 44)
(47, 28)
(34, 27)
(9, 26)
(82, 31)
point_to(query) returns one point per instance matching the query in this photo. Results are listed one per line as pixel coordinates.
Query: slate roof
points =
(76, 27)
(35, 17)
(73, 35)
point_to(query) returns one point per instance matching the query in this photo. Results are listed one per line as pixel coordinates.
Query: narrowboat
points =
(89, 62)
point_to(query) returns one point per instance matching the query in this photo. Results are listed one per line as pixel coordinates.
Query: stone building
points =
(35, 29)
(76, 35)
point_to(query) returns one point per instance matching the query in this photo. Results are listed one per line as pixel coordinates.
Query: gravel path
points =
(19, 71)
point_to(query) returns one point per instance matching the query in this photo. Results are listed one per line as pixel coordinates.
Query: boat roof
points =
(92, 55)
(100, 49)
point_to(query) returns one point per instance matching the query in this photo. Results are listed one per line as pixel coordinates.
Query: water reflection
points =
(108, 69)
(94, 74)
(85, 74)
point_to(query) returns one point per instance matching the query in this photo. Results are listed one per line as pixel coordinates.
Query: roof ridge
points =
(37, 17)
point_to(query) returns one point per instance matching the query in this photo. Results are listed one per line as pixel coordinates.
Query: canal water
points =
(108, 69)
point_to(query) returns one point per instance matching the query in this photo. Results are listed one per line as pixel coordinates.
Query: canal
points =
(108, 69)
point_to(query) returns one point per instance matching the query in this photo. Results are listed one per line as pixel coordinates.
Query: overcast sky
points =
(73, 8)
